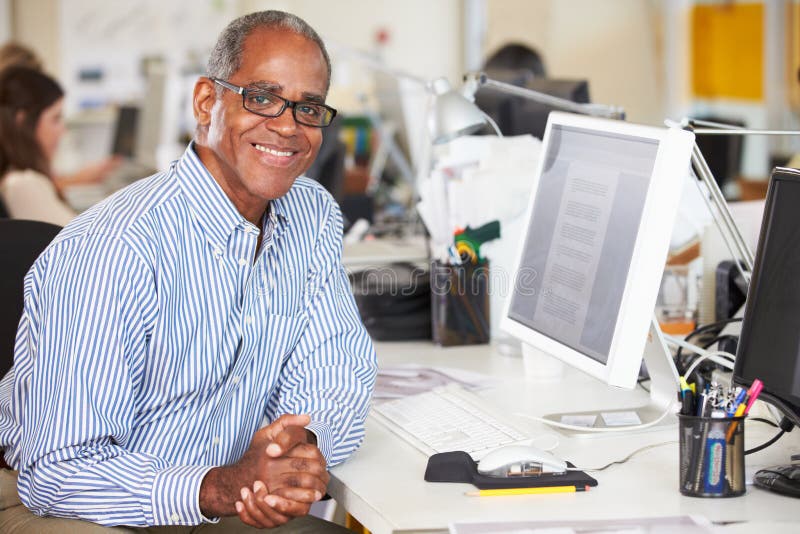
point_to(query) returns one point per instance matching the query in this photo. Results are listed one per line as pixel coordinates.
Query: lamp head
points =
(453, 115)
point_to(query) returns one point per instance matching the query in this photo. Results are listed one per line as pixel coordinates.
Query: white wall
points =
(425, 35)
(616, 45)
(424, 40)
(34, 23)
(5, 20)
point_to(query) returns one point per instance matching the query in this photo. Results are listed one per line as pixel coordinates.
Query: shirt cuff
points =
(175, 497)
(324, 439)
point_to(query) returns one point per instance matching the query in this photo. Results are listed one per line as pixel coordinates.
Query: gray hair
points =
(226, 56)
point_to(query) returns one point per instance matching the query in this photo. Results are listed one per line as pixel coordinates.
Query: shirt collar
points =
(212, 208)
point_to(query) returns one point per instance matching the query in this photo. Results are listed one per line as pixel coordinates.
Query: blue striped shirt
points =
(154, 341)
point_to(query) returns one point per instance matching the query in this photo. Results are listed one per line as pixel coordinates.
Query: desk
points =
(382, 484)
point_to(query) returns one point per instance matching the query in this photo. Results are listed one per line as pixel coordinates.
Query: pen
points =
(526, 491)
(742, 409)
(737, 402)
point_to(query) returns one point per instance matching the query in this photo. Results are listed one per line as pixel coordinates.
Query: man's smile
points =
(274, 152)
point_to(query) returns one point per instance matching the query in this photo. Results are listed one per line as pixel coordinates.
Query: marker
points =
(753, 393)
(526, 491)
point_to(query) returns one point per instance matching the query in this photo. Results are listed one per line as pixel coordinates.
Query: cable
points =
(631, 455)
(712, 355)
(763, 446)
(786, 425)
(670, 409)
(762, 420)
(706, 328)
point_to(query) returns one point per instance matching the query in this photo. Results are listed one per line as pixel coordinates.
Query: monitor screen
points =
(125, 132)
(516, 115)
(597, 238)
(769, 345)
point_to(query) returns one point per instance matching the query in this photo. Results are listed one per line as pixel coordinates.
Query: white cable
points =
(712, 356)
(670, 409)
(542, 436)
(716, 356)
(631, 455)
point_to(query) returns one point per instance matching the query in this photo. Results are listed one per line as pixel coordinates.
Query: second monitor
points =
(516, 115)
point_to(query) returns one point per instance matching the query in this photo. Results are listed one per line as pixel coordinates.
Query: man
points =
(161, 326)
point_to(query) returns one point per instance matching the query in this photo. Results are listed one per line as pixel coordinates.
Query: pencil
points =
(526, 491)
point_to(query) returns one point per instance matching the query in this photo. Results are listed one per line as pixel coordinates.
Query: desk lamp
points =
(737, 246)
(447, 99)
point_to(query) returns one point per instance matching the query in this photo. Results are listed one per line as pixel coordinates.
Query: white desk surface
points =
(382, 484)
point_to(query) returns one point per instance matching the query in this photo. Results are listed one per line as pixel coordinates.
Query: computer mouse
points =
(520, 460)
(784, 479)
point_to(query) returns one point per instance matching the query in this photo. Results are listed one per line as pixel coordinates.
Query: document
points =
(398, 381)
(571, 267)
(684, 524)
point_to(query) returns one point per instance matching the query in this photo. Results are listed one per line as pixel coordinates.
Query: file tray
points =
(459, 466)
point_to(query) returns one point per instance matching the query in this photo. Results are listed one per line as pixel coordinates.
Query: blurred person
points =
(515, 58)
(13, 54)
(31, 126)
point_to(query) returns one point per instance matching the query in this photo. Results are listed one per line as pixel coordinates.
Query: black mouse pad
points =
(459, 466)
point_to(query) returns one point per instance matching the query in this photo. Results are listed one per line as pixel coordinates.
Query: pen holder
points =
(460, 303)
(711, 456)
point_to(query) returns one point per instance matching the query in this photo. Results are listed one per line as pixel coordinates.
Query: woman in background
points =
(13, 54)
(31, 126)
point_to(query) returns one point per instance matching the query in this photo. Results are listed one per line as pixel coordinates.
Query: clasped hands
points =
(279, 476)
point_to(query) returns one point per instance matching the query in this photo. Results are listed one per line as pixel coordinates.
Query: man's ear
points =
(203, 99)
(19, 118)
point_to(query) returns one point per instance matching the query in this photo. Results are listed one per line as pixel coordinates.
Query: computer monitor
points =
(125, 132)
(516, 115)
(604, 201)
(769, 344)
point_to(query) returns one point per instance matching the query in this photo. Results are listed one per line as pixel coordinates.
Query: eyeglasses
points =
(269, 104)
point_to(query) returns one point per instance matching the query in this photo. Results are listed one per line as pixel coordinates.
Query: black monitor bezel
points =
(789, 409)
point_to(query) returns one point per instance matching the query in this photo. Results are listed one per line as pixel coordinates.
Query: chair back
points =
(21, 242)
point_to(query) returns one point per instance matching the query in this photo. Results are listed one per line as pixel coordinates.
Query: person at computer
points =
(31, 126)
(13, 54)
(161, 326)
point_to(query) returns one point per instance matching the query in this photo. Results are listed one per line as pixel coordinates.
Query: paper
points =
(684, 524)
(477, 180)
(405, 380)
(621, 418)
(579, 420)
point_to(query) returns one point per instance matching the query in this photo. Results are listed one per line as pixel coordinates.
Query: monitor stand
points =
(663, 387)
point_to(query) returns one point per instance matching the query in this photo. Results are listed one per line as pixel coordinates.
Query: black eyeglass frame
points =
(286, 103)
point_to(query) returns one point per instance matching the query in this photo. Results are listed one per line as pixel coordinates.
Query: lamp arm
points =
(480, 79)
(719, 128)
(733, 239)
(373, 63)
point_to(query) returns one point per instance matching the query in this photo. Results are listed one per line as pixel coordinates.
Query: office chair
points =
(21, 242)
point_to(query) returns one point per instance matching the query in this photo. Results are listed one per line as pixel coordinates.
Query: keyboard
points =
(446, 419)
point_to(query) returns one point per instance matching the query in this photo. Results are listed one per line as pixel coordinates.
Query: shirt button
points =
(175, 518)
(216, 440)
(242, 262)
(235, 379)
(217, 252)
(248, 319)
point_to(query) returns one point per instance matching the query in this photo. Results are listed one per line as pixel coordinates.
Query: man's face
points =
(256, 159)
